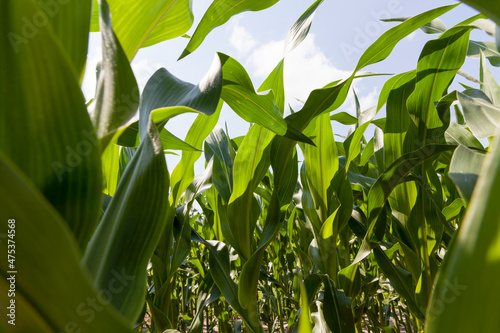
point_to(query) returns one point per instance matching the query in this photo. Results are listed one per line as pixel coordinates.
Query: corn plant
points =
(287, 229)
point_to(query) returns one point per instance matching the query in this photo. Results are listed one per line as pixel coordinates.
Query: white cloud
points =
(240, 38)
(143, 69)
(306, 68)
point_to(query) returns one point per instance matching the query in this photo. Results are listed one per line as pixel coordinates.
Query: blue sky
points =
(340, 32)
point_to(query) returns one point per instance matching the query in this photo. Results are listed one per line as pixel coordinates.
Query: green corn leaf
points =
(298, 32)
(70, 22)
(461, 135)
(384, 45)
(489, 86)
(130, 136)
(164, 90)
(200, 184)
(117, 96)
(304, 319)
(160, 319)
(437, 66)
(250, 165)
(60, 153)
(454, 209)
(53, 291)
(398, 89)
(435, 26)
(275, 83)
(386, 183)
(171, 142)
(175, 23)
(350, 280)
(208, 293)
(489, 49)
(127, 236)
(321, 100)
(247, 290)
(285, 168)
(219, 12)
(140, 24)
(220, 271)
(401, 281)
(344, 118)
(249, 278)
(321, 160)
(238, 92)
(309, 206)
(475, 249)
(352, 145)
(464, 170)
(218, 146)
(486, 7)
(483, 118)
(183, 173)
(337, 304)
(111, 168)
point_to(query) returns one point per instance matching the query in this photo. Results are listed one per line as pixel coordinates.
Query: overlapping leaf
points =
(140, 24)
(219, 12)
(117, 96)
(60, 153)
(52, 292)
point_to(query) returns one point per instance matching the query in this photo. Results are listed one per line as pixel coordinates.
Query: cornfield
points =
(289, 228)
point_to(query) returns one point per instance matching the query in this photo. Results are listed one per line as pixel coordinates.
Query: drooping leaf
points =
(117, 96)
(435, 26)
(489, 86)
(164, 90)
(482, 117)
(219, 12)
(384, 45)
(459, 134)
(298, 32)
(489, 49)
(238, 92)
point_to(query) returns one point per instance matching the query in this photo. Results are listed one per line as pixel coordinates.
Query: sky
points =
(339, 34)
